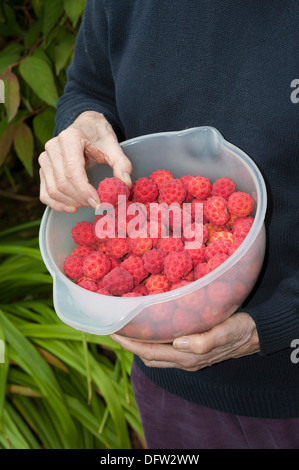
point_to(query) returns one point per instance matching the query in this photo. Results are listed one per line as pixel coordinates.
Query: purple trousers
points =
(169, 422)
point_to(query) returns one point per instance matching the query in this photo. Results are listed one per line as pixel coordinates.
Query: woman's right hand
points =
(64, 185)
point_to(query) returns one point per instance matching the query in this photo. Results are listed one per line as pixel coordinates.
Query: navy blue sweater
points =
(163, 65)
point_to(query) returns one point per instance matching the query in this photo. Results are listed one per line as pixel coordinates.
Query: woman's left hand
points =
(235, 337)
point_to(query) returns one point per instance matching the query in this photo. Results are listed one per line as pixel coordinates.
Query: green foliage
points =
(37, 39)
(59, 388)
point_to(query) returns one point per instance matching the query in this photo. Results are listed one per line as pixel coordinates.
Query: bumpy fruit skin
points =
(110, 188)
(140, 245)
(197, 254)
(96, 265)
(145, 190)
(73, 267)
(135, 266)
(172, 191)
(83, 233)
(170, 244)
(216, 211)
(218, 246)
(157, 282)
(216, 261)
(117, 247)
(87, 284)
(222, 235)
(154, 260)
(83, 250)
(240, 204)
(223, 186)
(185, 179)
(177, 265)
(200, 271)
(118, 281)
(195, 232)
(200, 187)
(160, 176)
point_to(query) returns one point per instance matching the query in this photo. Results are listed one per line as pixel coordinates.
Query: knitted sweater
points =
(163, 65)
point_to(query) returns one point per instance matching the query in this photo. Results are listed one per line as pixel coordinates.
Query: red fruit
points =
(185, 179)
(170, 244)
(117, 247)
(234, 246)
(242, 220)
(145, 190)
(195, 232)
(103, 291)
(73, 266)
(118, 281)
(185, 321)
(83, 233)
(135, 217)
(135, 266)
(197, 210)
(114, 261)
(110, 188)
(200, 271)
(87, 284)
(172, 191)
(218, 246)
(157, 282)
(178, 284)
(197, 254)
(200, 187)
(224, 187)
(216, 211)
(220, 292)
(177, 265)
(156, 230)
(140, 289)
(216, 260)
(178, 218)
(139, 245)
(160, 176)
(105, 227)
(131, 294)
(154, 260)
(96, 265)
(222, 235)
(212, 228)
(82, 250)
(240, 204)
(242, 230)
(159, 313)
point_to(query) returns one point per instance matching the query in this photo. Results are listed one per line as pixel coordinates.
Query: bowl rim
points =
(142, 302)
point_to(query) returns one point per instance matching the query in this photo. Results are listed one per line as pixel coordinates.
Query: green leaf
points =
(74, 9)
(12, 94)
(43, 125)
(37, 73)
(24, 146)
(62, 53)
(7, 60)
(53, 9)
(6, 140)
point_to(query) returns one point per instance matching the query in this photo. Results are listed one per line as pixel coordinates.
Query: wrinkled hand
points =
(235, 337)
(64, 185)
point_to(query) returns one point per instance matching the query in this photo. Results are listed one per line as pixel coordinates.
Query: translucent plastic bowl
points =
(195, 307)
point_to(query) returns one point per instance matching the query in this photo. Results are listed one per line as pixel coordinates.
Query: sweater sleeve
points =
(90, 85)
(277, 319)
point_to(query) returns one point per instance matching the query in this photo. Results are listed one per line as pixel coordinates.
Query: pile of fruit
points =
(122, 264)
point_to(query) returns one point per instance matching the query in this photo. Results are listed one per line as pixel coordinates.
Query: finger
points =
(110, 152)
(72, 149)
(51, 183)
(148, 351)
(55, 160)
(204, 343)
(48, 201)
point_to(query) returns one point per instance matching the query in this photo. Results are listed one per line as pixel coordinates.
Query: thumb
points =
(109, 151)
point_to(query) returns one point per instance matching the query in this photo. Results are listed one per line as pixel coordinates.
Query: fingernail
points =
(93, 203)
(181, 343)
(69, 209)
(127, 179)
